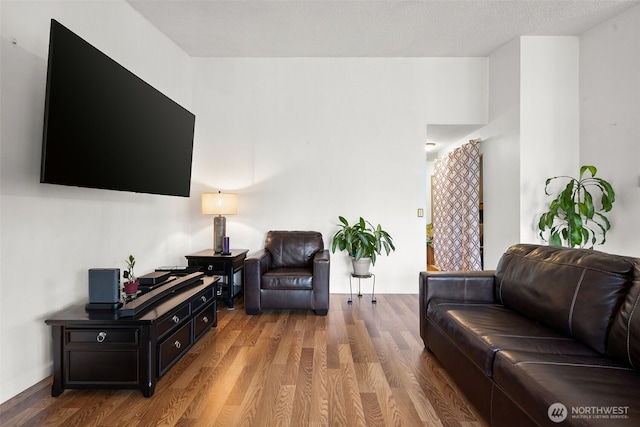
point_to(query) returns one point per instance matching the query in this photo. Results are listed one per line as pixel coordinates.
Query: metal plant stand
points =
(360, 277)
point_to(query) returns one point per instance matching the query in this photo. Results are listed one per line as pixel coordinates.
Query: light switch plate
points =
(420, 212)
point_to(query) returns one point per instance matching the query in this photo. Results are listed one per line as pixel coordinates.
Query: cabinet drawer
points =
(208, 266)
(201, 300)
(204, 320)
(102, 336)
(212, 268)
(173, 319)
(173, 347)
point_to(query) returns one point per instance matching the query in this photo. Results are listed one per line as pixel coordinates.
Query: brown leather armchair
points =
(291, 272)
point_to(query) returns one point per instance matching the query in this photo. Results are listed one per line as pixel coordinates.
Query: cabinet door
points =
(101, 367)
(101, 357)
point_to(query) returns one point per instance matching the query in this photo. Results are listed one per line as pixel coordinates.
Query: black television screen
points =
(106, 128)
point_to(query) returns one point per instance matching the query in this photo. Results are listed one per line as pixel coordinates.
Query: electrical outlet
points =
(420, 213)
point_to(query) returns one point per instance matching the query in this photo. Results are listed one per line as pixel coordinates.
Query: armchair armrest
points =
(255, 265)
(321, 260)
(454, 286)
(321, 265)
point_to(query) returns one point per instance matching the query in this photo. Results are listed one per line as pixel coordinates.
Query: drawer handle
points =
(101, 336)
(203, 298)
(177, 344)
(175, 319)
(205, 319)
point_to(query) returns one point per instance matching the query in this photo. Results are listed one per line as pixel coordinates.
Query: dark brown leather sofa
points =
(291, 272)
(551, 337)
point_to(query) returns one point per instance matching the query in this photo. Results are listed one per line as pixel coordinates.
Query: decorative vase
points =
(361, 267)
(131, 288)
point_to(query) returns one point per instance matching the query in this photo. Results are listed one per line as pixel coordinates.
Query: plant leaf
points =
(606, 203)
(591, 169)
(588, 201)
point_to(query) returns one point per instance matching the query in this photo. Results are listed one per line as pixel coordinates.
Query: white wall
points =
(610, 121)
(532, 134)
(557, 103)
(549, 122)
(500, 147)
(51, 235)
(305, 140)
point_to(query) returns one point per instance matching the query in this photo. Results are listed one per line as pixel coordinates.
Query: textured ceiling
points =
(365, 28)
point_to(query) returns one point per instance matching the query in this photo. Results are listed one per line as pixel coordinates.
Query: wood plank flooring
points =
(363, 364)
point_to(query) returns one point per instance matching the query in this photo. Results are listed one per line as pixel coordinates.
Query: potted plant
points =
(572, 217)
(363, 242)
(131, 285)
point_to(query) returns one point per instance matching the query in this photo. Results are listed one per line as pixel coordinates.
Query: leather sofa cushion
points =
(482, 329)
(535, 381)
(624, 337)
(293, 248)
(575, 291)
(287, 278)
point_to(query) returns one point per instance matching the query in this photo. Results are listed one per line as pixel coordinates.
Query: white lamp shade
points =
(219, 203)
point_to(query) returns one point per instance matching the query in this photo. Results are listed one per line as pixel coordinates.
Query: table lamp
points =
(219, 204)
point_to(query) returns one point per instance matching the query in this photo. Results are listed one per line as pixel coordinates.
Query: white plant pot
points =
(361, 267)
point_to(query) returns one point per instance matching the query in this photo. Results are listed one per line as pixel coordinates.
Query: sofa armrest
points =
(454, 286)
(458, 286)
(321, 264)
(255, 265)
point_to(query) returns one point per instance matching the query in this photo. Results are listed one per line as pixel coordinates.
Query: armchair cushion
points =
(288, 278)
(293, 248)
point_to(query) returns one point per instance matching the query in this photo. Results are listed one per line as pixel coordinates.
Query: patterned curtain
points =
(456, 201)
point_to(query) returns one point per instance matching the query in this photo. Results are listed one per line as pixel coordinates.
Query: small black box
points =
(104, 285)
(154, 278)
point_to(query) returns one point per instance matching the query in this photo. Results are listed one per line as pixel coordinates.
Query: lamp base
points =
(219, 230)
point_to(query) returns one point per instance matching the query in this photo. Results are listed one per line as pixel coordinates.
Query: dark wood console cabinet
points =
(103, 349)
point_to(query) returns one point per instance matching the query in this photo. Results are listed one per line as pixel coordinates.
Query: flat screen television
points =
(106, 128)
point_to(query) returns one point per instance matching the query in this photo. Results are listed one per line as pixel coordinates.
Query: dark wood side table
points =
(212, 263)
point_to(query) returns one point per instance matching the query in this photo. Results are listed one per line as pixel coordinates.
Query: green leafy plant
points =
(131, 262)
(572, 216)
(362, 239)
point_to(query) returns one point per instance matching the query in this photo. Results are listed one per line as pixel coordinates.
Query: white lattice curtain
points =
(456, 201)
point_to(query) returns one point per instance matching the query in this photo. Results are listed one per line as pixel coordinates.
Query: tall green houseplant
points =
(573, 218)
(362, 240)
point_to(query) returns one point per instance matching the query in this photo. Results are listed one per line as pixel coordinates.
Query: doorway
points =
(455, 235)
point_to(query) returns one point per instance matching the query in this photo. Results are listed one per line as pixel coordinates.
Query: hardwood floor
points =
(362, 365)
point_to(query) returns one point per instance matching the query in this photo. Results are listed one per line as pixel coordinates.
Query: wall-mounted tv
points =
(106, 128)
